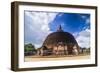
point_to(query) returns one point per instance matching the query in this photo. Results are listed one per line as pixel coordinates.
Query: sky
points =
(37, 25)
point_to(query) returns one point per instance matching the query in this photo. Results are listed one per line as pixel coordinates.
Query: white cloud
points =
(83, 38)
(37, 26)
(87, 21)
(45, 28)
(83, 16)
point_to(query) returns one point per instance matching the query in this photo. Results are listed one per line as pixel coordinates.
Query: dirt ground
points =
(54, 58)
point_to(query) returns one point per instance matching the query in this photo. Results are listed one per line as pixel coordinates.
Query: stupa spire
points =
(59, 29)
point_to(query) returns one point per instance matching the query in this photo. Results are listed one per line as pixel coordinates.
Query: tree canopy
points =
(29, 47)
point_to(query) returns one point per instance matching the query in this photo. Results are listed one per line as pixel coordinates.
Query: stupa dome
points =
(59, 43)
(60, 37)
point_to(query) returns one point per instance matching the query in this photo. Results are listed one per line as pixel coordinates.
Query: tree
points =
(29, 49)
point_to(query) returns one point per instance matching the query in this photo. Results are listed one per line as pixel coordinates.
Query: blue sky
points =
(70, 22)
(39, 24)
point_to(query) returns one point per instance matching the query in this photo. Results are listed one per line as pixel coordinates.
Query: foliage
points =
(85, 50)
(29, 48)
